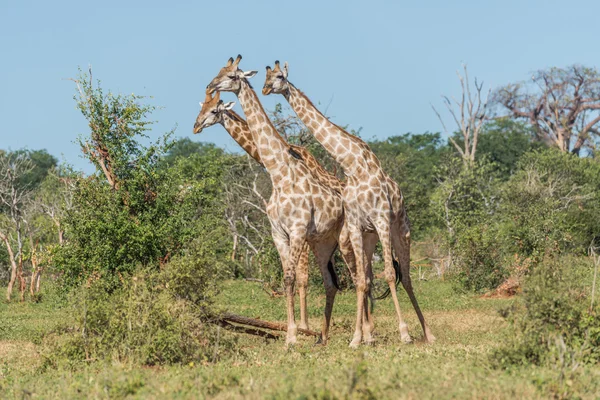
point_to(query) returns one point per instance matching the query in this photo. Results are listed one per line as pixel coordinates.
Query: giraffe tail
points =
(398, 279)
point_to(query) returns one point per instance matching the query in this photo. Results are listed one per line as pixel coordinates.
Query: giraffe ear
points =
(285, 70)
(229, 105)
(249, 74)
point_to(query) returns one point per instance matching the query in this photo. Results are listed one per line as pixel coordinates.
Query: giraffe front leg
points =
(360, 282)
(369, 243)
(296, 246)
(302, 282)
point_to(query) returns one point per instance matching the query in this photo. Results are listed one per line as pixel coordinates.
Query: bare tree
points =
(561, 104)
(55, 198)
(246, 193)
(14, 194)
(469, 114)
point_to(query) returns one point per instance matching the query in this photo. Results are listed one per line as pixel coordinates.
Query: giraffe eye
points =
(279, 76)
(215, 111)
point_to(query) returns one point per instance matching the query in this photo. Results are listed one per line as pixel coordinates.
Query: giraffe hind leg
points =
(323, 253)
(401, 241)
(385, 236)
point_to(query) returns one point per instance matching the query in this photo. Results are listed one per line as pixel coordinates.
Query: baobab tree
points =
(561, 104)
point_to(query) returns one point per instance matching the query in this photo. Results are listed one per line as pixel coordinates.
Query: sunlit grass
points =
(467, 328)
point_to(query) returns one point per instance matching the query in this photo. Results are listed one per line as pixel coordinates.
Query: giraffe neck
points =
(239, 131)
(273, 150)
(335, 140)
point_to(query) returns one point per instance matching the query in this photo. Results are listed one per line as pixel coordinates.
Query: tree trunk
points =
(22, 283)
(13, 263)
(38, 279)
(234, 250)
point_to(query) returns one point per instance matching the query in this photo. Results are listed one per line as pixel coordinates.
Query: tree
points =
(115, 122)
(410, 160)
(469, 116)
(503, 141)
(136, 212)
(186, 147)
(14, 194)
(42, 163)
(561, 104)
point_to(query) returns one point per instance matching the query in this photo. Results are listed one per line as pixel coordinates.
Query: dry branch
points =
(274, 326)
(249, 331)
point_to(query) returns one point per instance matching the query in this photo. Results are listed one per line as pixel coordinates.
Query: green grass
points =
(468, 329)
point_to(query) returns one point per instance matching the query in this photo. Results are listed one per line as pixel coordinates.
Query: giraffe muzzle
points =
(197, 128)
(267, 90)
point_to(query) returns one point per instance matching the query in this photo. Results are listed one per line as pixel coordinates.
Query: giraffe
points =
(301, 208)
(373, 202)
(214, 111)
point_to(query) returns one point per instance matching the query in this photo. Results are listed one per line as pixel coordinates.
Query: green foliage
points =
(155, 317)
(479, 257)
(410, 160)
(42, 163)
(150, 212)
(116, 123)
(185, 147)
(503, 142)
(549, 206)
(552, 204)
(552, 324)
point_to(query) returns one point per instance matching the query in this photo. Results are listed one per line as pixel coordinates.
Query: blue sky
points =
(374, 64)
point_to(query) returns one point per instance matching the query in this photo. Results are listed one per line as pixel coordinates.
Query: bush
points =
(551, 324)
(479, 255)
(152, 318)
(551, 205)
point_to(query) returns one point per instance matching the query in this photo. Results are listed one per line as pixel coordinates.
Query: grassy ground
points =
(467, 328)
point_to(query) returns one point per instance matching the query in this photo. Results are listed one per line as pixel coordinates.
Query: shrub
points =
(479, 255)
(154, 317)
(551, 205)
(551, 323)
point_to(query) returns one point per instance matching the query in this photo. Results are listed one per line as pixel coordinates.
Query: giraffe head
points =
(276, 81)
(229, 78)
(211, 112)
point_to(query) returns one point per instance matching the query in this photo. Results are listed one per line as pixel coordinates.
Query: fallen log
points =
(274, 326)
(249, 331)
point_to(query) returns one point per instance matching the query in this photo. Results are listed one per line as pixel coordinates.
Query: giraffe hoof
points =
(320, 342)
(430, 339)
(406, 340)
(354, 344)
(290, 342)
(370, 341)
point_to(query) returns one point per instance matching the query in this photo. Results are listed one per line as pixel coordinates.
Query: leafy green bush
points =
(552, 204)
(138, 210)
(551, 323)
(154, 317)
(480, 258)
(548, 207)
